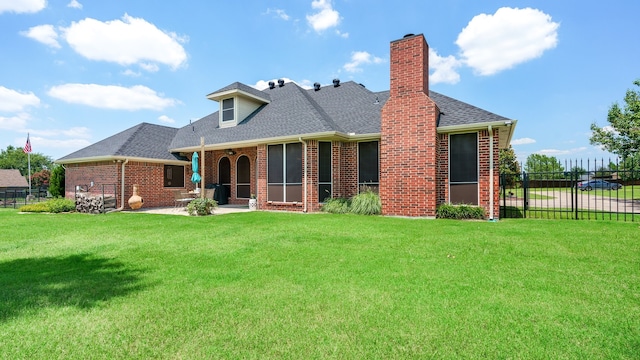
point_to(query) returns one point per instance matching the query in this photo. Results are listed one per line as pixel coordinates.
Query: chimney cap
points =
(408, 35)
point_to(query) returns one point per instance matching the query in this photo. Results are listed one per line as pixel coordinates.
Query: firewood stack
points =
(85, 203)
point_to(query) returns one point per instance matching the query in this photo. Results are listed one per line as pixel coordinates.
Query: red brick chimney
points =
(409, 140)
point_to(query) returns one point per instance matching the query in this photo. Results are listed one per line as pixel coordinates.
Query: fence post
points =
(525, 193)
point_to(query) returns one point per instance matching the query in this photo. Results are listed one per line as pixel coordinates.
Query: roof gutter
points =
(116, 158)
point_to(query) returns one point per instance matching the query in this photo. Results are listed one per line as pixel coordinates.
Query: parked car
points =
(598, 184)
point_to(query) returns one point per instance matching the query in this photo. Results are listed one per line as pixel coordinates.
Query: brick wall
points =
(485, 174)
(212, 161)
(149, 177)
(408, 146)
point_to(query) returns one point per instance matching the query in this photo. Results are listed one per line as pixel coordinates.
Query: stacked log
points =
(85, 203)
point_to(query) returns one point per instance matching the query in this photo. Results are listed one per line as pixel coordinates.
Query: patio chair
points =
(181, 199)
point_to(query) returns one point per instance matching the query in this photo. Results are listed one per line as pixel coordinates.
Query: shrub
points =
(336, 205)
(450, 211)
(201, 206)
(57, 205)
(366, 203)
(56, 181)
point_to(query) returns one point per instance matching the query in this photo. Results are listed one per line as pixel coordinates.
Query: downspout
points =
(490, 173)
(304, 191)
(121, 188)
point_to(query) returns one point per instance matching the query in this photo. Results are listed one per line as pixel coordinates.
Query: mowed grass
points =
(291, 286)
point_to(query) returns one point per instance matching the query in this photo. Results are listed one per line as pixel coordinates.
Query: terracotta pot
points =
(135, 201)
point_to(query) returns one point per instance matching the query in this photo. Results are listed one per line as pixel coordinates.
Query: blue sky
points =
(73, 72)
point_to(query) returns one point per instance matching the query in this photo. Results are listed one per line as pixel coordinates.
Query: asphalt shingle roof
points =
(143, 141)
(291, 111)
(12, 178)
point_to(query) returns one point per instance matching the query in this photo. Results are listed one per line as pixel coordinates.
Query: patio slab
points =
(170, 210)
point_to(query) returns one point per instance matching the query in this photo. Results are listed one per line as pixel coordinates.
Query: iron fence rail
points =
(608, 191)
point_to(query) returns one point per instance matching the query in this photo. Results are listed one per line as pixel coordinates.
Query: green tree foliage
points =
(622, 135)
(40, 178)
(544, 167)
(15, 158)
(509, 167)
(56, 182)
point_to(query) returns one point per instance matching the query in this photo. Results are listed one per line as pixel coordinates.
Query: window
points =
(228, 109)
(243, 178)
(284, 172)
(324, 171)
(224, 174)
(368, 165)
(173, 176)
(463, 169)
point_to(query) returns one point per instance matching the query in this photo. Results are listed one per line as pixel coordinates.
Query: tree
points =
(544, 167)
(15, 158)
(622, 135)
(40, 178)
(56, 182)
(509, 167)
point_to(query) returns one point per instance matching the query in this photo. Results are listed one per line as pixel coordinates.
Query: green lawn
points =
(291, 286)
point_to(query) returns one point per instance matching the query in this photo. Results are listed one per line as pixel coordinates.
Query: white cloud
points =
(523, 141)
(131, 73)
(22, 6)
(443, 69)
(165, 119)
(359, 58)
(325, 18)
(264, 84)
(492, 43)
(45, 34)
(556, 152)
(149, 67)
(15, 123)
(279, 13)
(125, 42)
(112, 97)
(74, 4)
(14, 101)
(80, 132)
(60, 143)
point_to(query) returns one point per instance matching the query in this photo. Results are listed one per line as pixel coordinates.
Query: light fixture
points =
(230, 152)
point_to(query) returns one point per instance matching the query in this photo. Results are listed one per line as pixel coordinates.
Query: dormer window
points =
(228, 110)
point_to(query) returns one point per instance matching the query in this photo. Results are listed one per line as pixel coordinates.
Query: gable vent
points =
(316, 86)
(336, 82)
(280, 82)
(272, 85)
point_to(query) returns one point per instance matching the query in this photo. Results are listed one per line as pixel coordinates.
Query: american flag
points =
(27, 146)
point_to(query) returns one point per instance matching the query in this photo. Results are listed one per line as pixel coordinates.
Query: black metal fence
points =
(581, 190)
(16, 197)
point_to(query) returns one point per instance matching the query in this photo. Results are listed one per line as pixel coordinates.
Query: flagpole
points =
(29, 165)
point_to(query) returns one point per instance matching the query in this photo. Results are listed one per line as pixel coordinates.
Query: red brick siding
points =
(212, 159)
(408, 149)
(148, 176)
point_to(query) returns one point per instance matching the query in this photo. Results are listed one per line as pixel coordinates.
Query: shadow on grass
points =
(81, 281)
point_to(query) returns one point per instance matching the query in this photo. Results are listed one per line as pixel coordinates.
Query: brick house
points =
(295, 147)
